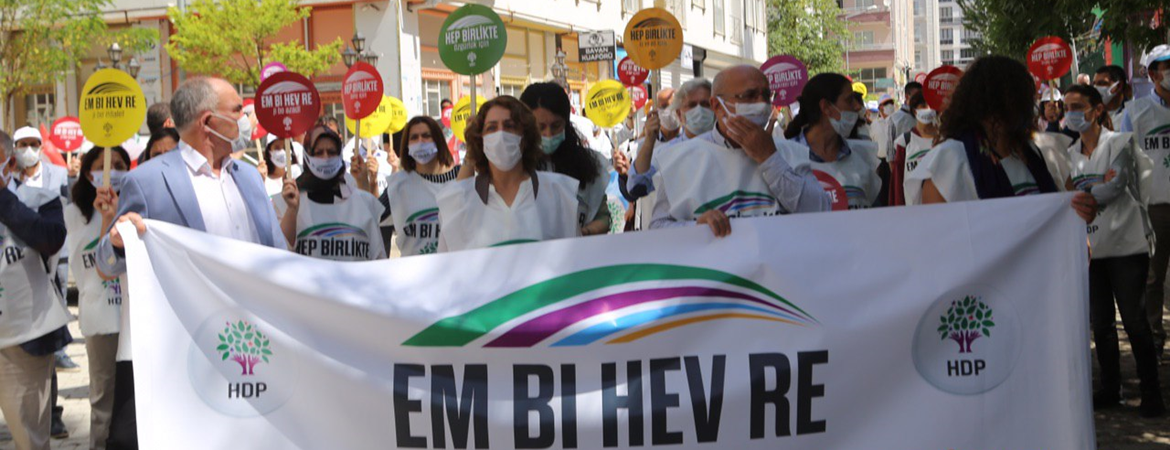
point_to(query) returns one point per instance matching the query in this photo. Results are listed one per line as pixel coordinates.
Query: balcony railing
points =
(871, 47)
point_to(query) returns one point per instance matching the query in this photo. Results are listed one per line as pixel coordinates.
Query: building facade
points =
(954, 39)
(881, 54)
(926, 31)
(404, 33)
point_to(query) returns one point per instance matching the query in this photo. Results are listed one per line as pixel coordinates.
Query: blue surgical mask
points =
(700, 120)
(1075, 121)
(550, 144)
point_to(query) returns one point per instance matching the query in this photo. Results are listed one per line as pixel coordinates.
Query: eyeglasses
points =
(750, 95)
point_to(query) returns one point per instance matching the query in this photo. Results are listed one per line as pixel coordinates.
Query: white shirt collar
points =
(198, 163)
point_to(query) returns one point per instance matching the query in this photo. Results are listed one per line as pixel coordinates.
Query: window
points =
(434, 91)
(862, 39)
(679, 9)
(967, 53)
(919, 7)
(736, 21)
(718, 16)
(701, 4)
(946, 36)
(753, 14)
(862, 4)
(39, 109)
(945, 15)
(918, 58)
(948, 57)
(870, 76)
(512, 89)
(970, 35)
(629, 7)
(917, 35)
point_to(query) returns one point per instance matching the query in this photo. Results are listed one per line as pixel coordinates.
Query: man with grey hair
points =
(198, 186)
(735, 169)
(32, 231)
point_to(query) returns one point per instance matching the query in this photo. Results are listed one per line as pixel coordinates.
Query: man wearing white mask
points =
(32, 317)
(199, 186)
(1148, 118)
(903, 120)
(1113, 84)
(736, 169)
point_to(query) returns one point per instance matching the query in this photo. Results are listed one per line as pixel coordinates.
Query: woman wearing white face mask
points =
(508, 201)
(567, 156)
(846, 167)
(99, 299)
(1103, 164)
(276, 164)
(324, 217)
(412, 210)
(911, 147)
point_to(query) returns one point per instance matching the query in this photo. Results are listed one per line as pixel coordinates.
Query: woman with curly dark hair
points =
(508, 201)
(985, 147)
(568, 156)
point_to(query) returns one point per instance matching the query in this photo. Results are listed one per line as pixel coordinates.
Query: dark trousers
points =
(1121, 278)
(1156, 282)
(123, 423)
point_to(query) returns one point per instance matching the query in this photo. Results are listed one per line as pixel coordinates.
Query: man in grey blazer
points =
(198, 186)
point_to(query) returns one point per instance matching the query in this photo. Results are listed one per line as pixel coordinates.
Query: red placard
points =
(1049, 58)
(939, 86)
(445, 119)
(786, 77)
(920, 78)
(630, 73)
(361, 91)
(639, 96)
(288, 104)
(836, 192)
(66, 134)
(258, 130)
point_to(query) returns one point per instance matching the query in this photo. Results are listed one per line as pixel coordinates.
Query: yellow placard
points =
(653, 38)
(376, 123)
(112, 108)
(860, 88)
(461, 114)
(398, 115)
(607, 104)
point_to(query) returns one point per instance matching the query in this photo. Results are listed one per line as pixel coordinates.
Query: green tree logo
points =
(965, 321)
(1166, 161)
(245, 345)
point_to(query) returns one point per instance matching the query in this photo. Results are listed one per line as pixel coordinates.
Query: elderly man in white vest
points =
(733, 170)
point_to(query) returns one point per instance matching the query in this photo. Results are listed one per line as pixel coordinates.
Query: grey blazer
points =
(161, 189)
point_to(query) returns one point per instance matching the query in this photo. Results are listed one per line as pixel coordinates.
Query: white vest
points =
(30, 306)
(856, 173)
(592, 194)
(468, 222)
(947, 167)
(915, 150)
(415, 212)
(699, 175)
(346, 230)
(1119, 229)
(99, 301)
(1151, 130)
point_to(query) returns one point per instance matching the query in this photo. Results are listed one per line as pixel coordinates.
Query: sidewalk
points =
(1117, 429)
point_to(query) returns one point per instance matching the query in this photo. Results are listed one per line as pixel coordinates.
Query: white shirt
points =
(223, 208)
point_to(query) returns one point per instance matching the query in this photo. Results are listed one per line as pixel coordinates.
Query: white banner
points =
(958, 326)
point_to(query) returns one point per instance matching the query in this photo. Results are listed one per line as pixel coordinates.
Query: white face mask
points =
(700, 120)
(926, 116)
(1165, 79)
(888, 109)
(423, 152)
(4, 174)
(757, 113)
(1075, 121)
(279, 158)
(668, 119)
(325, 168)
(243, 135)
(502, 149)
(844, 125)
(27, 156)
(116, 177)
(1106, 92)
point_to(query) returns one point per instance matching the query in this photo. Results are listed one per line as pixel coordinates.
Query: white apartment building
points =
(954, 38)
(926, 41)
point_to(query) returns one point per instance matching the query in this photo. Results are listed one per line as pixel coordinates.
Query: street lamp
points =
(369, 57)
(560, 70)
(349, 56)
(359, 41)
(134, 67)
(115, 52)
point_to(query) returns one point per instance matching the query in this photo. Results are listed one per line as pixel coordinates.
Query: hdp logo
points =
(739, 203)
(956, 321)
(965, 321)
(611, 305)
(245, 345)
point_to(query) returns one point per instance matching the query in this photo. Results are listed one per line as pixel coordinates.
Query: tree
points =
(965, 321)
(41, 41)
(810, 30)
(245, 345)
(1009, 27)
(234, 39)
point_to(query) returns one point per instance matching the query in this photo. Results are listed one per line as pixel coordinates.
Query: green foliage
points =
(1009, 27)
(43, 40)
(235, 39)
(810, 30)
(968, 314)
(242, 339)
